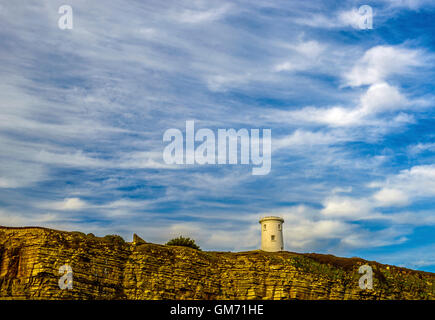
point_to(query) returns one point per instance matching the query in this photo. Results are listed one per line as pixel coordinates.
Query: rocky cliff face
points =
(109, 268)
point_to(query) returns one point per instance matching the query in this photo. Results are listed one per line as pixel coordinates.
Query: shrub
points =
(184, 242)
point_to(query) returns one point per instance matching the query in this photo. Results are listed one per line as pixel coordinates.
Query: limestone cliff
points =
(109, 268)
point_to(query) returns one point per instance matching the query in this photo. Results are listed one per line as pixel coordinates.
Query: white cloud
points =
(301, 138)
(222, 82)
(399, 190)
(382, 97)
(126, 160)
(19, 219)
(133, 70)
(68, 204)
(335, 20)
(350, 18)
(387, 197)
(307, 229)
(120, 207)
(310, 49)
(346, 207)
(286, 66)
(17, 174)
(384, 237)
(381, 62)
(416, 183)
(314, 235)
(339, 116)
(421, 147)
(379, 98)
(304, 55)
(396, 191)
(409, 4)
(317, 21)
(411, 218)
(201, 16)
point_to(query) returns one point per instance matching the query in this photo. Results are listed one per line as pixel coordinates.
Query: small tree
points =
(182, 241)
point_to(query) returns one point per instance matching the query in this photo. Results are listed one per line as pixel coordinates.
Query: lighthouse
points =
(271, 234)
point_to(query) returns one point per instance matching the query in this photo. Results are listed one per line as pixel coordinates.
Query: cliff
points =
(110, 268)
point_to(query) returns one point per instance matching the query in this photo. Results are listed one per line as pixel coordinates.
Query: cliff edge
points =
(110, 268)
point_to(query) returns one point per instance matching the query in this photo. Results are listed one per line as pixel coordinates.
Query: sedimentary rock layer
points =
(110, 268)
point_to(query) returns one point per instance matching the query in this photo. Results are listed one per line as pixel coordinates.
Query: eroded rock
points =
(110, 268)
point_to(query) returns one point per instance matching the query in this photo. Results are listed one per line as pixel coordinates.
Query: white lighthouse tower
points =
(271, 234)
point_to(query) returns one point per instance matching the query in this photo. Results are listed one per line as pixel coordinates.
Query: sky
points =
(351, 110)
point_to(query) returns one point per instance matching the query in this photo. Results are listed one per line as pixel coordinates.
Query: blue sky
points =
(83, 112)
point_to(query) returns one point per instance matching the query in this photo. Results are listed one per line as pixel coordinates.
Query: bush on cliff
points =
(184, 242)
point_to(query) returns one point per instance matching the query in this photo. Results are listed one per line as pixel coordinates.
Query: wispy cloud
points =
(83, 112)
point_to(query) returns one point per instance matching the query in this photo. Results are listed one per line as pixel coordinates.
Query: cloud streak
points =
(83, 113)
